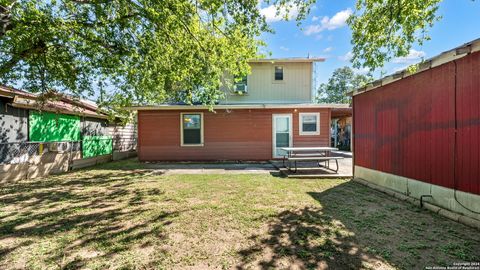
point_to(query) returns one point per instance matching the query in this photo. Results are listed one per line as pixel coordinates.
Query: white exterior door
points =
(281, 133)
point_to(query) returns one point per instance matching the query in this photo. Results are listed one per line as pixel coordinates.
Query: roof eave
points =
(287, 60)
(235, 106)
(62, 111)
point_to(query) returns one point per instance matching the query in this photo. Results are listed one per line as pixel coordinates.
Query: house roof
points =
(53, 102)
(443, 58)
(288, 60)
(236, 106)
(10, 92)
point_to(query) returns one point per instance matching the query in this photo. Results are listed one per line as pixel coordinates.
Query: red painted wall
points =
(467, 164)
(407, 128)
(235, 135)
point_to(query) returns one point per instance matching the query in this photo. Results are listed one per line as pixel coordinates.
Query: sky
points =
(324, 33)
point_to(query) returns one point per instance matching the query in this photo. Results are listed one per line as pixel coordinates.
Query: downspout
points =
(335, 133)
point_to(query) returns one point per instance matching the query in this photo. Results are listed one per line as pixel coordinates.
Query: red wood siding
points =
(235, 135)
(407, 128)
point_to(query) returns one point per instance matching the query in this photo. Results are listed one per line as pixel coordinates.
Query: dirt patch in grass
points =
(123, 215)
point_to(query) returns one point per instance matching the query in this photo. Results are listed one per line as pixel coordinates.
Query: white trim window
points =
(309, 123)
(191, 129)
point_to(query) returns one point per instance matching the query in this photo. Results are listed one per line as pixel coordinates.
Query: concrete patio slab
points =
(211, 168)
(313, 170)
(305, 169)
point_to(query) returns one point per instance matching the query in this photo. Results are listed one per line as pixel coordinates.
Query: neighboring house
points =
(270, 109)
(25, 118)
(419, 134)
(42, 134)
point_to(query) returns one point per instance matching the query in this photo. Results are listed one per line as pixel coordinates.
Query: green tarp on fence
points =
(52, 127)
(93, 146)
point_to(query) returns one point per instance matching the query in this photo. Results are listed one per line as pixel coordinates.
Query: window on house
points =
(192, 129)
(241, 80)
(278, 73)
(309, 123)
(241, 84)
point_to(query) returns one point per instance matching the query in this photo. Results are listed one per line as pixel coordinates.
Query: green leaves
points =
(144, 51)
(343, 80)
(151, 51)
(383, 29)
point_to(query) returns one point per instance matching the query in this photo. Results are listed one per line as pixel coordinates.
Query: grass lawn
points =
(123, 216)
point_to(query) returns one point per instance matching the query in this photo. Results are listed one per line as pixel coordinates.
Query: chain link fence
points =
(23, 152)
(14, 153)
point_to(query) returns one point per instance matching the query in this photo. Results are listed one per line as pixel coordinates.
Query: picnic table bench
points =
(318, 154)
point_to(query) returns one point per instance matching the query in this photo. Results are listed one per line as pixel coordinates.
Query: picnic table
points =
(301, 154)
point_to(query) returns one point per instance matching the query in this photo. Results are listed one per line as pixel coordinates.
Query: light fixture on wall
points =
(296, 110)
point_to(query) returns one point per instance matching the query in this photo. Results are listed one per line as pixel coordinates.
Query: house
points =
(270, 109)
(50, 133)
(418, 133)
(26, 119)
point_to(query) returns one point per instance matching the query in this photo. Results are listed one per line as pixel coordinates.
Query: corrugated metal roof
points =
(11, 92)
(56, 103)
(445, 57)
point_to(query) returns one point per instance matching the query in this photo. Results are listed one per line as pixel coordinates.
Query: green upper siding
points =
(93, 146)
(51, 127)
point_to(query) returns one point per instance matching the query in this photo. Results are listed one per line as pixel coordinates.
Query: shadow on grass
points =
(356, 227)
(305, 239)
(103, 210)
(402, 233)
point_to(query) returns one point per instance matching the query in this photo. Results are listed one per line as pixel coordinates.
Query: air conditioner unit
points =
(241, 89)
(59, 147)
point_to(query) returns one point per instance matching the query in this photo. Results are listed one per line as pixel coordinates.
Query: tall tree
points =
(139, 50)
(383, 29)
(342, 81)
(145, 51)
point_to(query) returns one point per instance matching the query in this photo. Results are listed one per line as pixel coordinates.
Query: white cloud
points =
(328, 49)
(413, 56)
(361, 71)
(347, 57)
(318, 37)
(312, 29)
(271, 15)
(284, 48)
(337, 21)
(315, 18)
